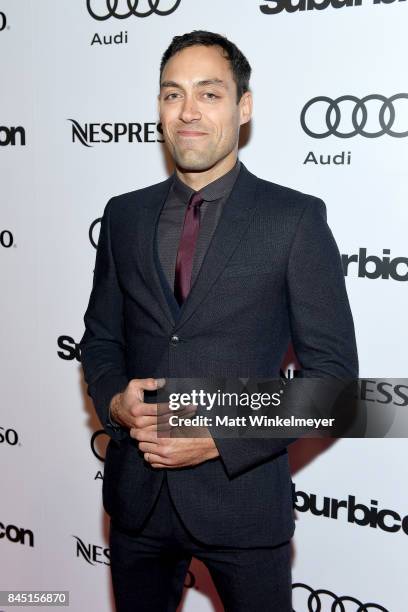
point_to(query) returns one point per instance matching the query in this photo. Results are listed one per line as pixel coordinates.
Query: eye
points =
(171, 96)
(211, 96)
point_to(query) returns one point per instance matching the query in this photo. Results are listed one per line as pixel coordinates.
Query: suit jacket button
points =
(174, 339)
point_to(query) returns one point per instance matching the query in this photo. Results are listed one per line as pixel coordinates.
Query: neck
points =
(198, 180)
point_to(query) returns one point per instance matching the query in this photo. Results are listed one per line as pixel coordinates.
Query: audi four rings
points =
(315, 602)
(358, 124)
(133, 5)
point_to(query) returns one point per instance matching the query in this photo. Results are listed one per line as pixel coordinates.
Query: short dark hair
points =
(241, 69)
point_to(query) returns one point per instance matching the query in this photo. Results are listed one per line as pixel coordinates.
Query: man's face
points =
(198, 108)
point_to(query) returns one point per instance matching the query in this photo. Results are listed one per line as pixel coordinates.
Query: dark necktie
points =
(185, 253)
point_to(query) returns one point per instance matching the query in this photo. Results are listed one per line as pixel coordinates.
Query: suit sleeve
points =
(322, 328)
(102, 345)
(321, 322)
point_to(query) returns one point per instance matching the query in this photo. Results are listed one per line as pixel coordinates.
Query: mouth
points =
(190, 133)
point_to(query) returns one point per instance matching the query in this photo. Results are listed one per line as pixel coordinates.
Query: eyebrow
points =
(198, 84)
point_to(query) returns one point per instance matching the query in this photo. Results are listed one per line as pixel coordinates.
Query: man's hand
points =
(177, 452)
(149, 423)
(129, 409)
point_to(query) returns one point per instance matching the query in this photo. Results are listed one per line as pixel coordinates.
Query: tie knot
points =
(196, 200)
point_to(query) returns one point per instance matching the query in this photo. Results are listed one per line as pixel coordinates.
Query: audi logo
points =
(98, 447)
(94, 234)
(131, 7)
(385, 118)
(313, 600)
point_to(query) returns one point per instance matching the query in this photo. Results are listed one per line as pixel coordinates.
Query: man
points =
(209, 273)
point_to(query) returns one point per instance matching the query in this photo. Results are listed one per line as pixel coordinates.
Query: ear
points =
(245, 107)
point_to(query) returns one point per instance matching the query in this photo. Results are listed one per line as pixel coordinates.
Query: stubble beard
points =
(193, 160)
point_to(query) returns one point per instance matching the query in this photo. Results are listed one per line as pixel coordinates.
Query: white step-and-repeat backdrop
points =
(78, 124)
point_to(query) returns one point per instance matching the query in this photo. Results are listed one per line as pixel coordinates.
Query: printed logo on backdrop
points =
(94, 229)
(384, 392)
(17, 535)
(12, 135)
(273, 7)
(9, 437)
(348, 116)
(120, 38)
(307, 599)
(90, 134)
(95, 555)
(354, 513)
(3, 22)
(375, 267)
(99, 442)
(388, 116)
(92, 553)
(69, 348)
(101, 10)
(6, 239)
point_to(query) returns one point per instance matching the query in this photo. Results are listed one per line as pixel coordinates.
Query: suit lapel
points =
(235, 218)
(146, 236)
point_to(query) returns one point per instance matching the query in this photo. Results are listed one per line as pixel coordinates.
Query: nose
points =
(189, 110)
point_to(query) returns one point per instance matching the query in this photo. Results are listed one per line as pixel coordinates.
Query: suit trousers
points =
(149, 567)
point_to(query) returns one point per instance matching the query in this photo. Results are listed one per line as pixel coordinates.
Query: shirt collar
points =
(213, 191)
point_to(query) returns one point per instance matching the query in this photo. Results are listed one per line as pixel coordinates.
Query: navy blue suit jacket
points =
(272, 274)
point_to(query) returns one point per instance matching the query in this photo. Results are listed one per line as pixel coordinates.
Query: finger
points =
(151, 424)
(160, 410)
(148, 447)
(142, 409)
(159, 464)
(190, 409)
(138, 385)
(162, 428)
(154, 458)
(152, 421)
(145, 422)
(151, 384)
(168, 419)
(143, 435)
(157, 427)
(164, 409)
(151, 433)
